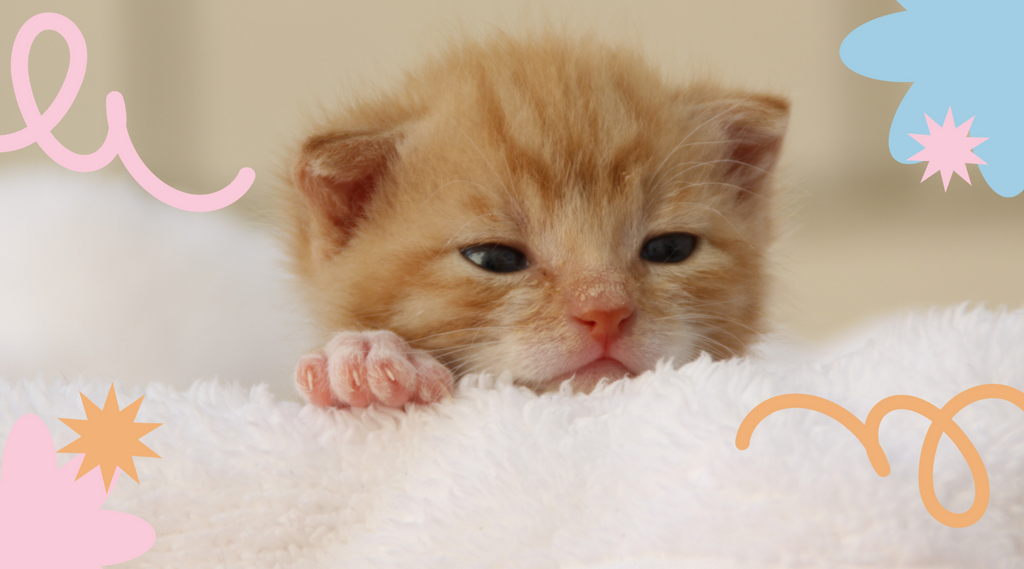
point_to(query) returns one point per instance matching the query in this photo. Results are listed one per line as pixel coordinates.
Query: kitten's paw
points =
(359, 368)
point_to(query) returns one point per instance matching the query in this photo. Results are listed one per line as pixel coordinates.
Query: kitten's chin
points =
(585, 378)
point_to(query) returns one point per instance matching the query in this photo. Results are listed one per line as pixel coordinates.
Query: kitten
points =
(547, 207)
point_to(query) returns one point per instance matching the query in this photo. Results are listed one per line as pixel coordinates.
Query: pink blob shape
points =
(50, 520)
(38, 126)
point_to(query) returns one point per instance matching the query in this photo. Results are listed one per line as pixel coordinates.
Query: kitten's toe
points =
(346, 363)
(435, 380)
(313, 382)
(390, 373)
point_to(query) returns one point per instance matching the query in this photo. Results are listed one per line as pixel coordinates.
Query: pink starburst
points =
(947, 149)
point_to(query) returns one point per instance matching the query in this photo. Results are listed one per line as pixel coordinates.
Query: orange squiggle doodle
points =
(867, 434)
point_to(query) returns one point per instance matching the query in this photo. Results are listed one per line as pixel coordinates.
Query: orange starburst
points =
(109, 438)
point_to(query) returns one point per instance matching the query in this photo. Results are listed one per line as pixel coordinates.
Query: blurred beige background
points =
(215, 85)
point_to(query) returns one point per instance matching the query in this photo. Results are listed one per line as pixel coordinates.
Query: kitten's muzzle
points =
(586, 377)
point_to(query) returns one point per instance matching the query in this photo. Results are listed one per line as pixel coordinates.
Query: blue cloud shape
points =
(964, 54)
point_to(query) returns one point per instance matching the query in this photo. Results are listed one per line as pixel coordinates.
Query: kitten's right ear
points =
(338, 174)
(754, 125)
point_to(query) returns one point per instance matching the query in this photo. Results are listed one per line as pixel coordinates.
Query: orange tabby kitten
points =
(549, 207)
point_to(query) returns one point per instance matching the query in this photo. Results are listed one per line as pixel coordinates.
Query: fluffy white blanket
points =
(640, 474)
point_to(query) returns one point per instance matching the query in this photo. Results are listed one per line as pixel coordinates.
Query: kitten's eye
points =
(669, 248)
(496, 258)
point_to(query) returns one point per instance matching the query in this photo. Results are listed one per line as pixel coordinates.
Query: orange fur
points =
(570, 151)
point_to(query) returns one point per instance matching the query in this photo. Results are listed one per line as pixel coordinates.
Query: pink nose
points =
(605, 325)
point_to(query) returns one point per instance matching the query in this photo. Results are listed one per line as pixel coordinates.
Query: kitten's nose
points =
(602, 305)
(605, 325)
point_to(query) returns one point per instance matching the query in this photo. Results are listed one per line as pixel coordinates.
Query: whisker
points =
(463, 330)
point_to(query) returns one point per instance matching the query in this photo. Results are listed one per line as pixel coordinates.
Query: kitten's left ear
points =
(755, 126)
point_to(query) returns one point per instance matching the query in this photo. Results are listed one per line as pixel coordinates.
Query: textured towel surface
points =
(641, 473)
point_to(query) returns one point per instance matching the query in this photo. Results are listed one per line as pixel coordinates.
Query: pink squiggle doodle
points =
(38, 126)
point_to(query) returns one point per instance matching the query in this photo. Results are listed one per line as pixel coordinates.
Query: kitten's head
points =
(548, 208)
